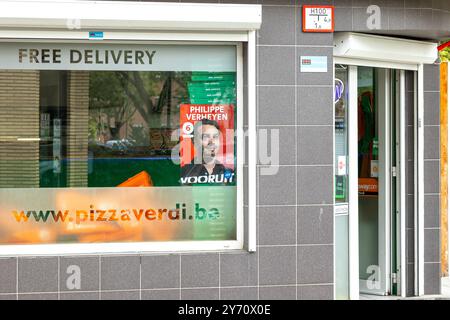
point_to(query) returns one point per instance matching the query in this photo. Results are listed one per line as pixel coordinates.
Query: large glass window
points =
(118, 143)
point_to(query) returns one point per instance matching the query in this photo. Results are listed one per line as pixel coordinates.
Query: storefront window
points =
(118, 143)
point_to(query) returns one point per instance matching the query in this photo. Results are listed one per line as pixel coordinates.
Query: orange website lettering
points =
(109, 215)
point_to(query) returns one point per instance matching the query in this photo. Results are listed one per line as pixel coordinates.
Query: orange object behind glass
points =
(142, 179)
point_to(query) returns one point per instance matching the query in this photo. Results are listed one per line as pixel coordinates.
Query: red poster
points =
(207, 143)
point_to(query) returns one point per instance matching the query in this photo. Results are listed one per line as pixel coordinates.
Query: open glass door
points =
(367, 144)
(378, 162)
(373, 178)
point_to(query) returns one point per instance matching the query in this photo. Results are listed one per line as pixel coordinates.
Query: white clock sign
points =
(318, 18)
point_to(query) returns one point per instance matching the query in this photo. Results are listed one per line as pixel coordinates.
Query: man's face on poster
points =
(209, 138)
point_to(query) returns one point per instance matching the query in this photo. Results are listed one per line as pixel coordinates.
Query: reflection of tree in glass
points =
(139, 136)
(109, 105)
(116, 96)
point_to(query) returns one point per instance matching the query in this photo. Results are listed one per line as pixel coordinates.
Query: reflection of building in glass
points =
(36, 108)
(77, 128)
(19, 128)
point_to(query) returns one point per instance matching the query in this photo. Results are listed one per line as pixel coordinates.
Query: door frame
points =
(400, 139)
(354, 285)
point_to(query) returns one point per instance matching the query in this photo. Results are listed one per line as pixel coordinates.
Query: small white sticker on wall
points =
(313, 64)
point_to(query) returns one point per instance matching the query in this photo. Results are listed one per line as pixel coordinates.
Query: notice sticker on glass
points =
(313, 64)
(374, 168)
(340, 189)
(341, 208)
(342, 166)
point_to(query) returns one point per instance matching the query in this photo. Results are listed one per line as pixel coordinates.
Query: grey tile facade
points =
(432, 180)
(295, 258)
(419, 19)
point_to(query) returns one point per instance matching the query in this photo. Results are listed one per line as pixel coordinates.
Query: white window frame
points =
(209, 24)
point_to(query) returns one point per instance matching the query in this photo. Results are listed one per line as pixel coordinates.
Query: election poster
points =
(207, 146)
